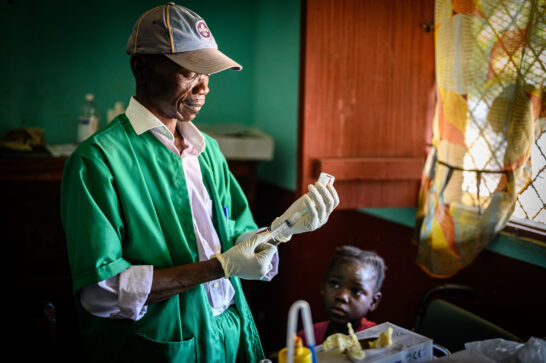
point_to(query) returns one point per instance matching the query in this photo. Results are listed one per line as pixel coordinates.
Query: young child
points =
(351, 288)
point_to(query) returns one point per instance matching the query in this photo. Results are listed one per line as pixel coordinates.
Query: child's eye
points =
(358, 292)
(333, 284)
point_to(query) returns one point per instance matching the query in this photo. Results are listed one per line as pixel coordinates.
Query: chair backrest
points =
(452, 326)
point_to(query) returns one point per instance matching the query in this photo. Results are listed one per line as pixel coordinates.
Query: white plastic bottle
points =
(88, 119)
(113, 112)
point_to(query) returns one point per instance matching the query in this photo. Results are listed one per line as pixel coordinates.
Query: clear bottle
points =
(88, 119)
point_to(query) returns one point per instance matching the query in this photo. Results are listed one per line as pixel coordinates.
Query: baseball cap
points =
(182, 36)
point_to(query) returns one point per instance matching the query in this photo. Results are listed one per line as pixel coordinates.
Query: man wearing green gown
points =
(158, 230)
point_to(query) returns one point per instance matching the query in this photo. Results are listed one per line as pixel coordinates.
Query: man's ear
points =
(375, 300)
(137, 66)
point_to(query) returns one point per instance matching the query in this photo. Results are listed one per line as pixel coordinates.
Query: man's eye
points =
(190, 75)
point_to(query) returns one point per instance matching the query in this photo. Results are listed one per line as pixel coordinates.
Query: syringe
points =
(324, 179)
(285, 225)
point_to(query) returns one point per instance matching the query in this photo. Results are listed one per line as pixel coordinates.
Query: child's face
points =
(349, 292)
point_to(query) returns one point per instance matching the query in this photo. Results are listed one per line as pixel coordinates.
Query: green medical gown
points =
(124, 202)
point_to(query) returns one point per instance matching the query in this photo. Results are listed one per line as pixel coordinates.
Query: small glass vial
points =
(326, 179)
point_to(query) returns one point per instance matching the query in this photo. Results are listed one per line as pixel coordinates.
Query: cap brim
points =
(204, 61)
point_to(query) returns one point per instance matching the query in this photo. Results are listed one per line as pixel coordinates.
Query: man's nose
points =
(202, 86)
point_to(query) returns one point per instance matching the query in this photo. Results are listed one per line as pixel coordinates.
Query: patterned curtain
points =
(490, 71)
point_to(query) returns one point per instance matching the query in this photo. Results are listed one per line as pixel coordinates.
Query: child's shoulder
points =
(365, 324)
(319, 330)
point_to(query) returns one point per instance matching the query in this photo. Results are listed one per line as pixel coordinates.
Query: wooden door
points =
(366, 98)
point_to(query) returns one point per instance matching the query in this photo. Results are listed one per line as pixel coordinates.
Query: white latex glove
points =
(250, 259)
(319, 201)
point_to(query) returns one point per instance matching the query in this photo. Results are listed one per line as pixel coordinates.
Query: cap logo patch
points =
(203, 29)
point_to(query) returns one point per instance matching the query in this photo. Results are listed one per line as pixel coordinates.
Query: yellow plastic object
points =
(355, 350)
(345, 343)
(384, 340)
(301, 354)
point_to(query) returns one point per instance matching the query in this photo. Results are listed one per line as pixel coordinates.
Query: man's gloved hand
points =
(319, 201)
(250, 259)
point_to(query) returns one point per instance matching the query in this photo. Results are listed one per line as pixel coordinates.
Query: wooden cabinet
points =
(367, 98)
(30, 191)
(36, 266)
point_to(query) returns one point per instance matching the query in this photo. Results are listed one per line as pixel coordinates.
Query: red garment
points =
(320, 330)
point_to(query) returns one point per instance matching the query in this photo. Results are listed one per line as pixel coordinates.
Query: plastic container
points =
(301, 353)
(113, 112)
(295, 352)
(88, 118)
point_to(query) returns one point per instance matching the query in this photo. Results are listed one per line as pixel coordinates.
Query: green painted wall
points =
(276, 86)
(57, 51)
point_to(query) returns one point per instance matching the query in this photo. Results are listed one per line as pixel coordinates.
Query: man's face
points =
(349, 292)
(173, 91)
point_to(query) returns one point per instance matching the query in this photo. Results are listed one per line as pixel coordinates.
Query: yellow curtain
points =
(490, 74)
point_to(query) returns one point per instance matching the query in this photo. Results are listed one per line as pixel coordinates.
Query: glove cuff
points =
(219, 257)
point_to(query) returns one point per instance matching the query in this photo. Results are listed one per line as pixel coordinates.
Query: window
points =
(529, 216)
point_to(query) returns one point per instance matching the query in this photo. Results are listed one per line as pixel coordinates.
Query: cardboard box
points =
(407, 347)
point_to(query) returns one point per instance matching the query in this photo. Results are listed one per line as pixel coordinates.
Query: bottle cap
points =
(89, 97)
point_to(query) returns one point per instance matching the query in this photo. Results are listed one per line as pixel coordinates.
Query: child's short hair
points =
(369, 258)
